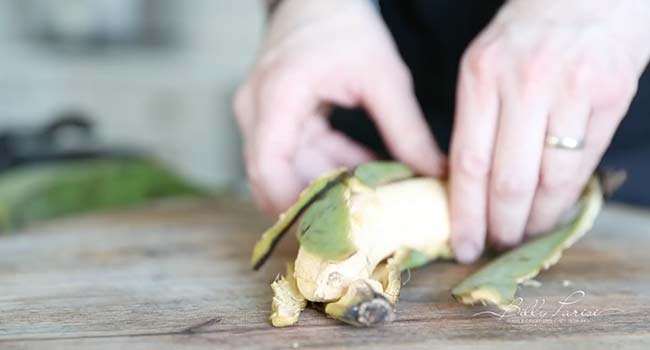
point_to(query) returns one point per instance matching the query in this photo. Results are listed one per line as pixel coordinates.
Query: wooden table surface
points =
(176, 275)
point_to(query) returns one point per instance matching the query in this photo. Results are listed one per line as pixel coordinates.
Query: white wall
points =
(174, 101)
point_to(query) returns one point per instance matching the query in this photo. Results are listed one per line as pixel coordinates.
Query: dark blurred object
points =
(69, 137)
(60, 170)
(79, 24)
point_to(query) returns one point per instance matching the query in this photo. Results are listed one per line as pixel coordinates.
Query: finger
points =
(477, 107)
(600, 131)
(391, 103)
(275, 175)
(338, 147)
(243, 109)
(259, 197)
(311, 162)
(283, 106)
(343, 151)
(329, 152)
(515, 165)
(321, 149)
(560, 181)
(611, 102)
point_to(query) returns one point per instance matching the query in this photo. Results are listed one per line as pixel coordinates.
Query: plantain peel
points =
(496, 283)
(358, 230)
(264, 246)
(375, 174)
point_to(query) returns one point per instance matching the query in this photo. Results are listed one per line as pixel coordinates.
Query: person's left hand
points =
(559, 68)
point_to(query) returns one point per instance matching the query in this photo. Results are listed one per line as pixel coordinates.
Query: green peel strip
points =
(271, 237)
(324, 227)
(496, 283)
(378, 173)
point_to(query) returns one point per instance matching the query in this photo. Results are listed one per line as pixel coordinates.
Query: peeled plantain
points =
(357, 231)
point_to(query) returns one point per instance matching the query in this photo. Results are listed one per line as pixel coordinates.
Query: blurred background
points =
(152, 79)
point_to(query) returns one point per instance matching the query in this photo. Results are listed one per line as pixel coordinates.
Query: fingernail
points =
(467, 252)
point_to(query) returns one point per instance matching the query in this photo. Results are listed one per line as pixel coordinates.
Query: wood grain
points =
(176, 274)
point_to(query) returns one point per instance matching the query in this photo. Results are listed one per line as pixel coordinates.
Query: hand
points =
(317, 54)
(562, 68)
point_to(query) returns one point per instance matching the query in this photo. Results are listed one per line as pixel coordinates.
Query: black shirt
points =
(432, 35)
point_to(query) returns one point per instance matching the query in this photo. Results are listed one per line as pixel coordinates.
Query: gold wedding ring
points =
(568, 143)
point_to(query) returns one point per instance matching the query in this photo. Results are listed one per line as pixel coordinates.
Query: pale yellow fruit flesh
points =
(287, 303)
(411, 214)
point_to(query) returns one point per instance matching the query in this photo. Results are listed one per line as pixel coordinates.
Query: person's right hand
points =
(318, 54)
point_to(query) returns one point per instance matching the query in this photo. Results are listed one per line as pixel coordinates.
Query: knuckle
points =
(277, 87)
(481, 60)
(471, 163)
(535, 69)
(507, 184)
(270, 81)
(616, 91)
(580, 78)
(401, 74)
(540, 58)
(394, 72)
(596, 143)
(278, 69)
(614, 86)
(554, 181)
(559, 171)
(558, 178)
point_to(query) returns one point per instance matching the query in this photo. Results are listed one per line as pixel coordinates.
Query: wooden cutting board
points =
(176, 274)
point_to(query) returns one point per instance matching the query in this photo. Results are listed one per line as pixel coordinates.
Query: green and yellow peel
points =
(325, 225)
(496, 283)
(264, 246)
(360, 229)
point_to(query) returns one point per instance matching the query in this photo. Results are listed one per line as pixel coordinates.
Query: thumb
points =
(394, 109)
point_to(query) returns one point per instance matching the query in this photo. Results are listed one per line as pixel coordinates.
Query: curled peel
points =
(324, 227)
(496, 283)
(372, 174)
(264, 246)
